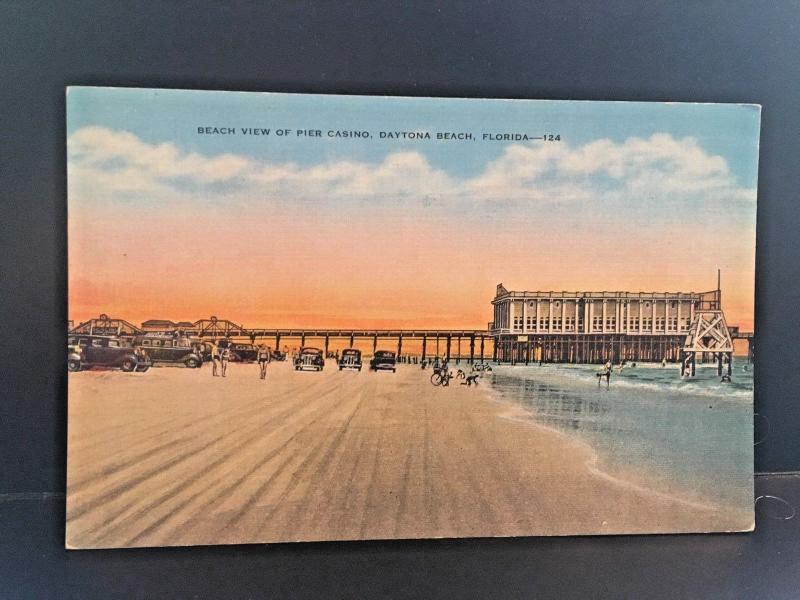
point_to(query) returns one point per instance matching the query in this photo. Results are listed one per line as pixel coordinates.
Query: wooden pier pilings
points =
(596, 348)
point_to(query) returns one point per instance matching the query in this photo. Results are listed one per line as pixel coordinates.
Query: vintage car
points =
(309, 358)
(350, 359)
(278, 355)
(87, 351)
(244, 352)
(384, 360)
(171, 350)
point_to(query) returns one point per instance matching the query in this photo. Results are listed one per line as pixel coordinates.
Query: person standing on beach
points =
(264, 356)
(224, 357)
(215, 359)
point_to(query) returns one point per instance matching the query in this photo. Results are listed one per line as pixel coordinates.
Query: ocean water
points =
(692, 436)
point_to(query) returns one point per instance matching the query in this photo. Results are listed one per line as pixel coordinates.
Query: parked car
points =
(278, 355)
(244, 352)
(350, 359)
(384, 360)
(170, 349)
(309, 358)
(87, 351)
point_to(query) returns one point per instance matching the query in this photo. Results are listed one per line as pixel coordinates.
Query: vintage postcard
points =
(308, 317)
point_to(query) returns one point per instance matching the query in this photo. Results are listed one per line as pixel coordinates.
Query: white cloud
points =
(109, 162)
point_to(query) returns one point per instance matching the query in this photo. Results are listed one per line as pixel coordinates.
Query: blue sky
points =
(156, 116)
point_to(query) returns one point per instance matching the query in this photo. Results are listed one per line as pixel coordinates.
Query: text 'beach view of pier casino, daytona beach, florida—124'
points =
(294, 337)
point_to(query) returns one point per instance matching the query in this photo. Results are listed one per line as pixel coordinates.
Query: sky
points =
(301, 230)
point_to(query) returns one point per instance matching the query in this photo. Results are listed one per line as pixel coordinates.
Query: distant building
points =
(158, 325)
(594, 326)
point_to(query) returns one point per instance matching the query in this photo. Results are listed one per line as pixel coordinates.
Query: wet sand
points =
(175, 456)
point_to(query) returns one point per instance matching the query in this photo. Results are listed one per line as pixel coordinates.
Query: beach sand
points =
(175, 456)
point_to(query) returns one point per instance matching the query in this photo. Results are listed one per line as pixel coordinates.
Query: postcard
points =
(316, 317)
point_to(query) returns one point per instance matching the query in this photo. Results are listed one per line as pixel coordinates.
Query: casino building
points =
(594, 327)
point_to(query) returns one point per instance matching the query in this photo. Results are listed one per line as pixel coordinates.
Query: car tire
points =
(394, 370)
(191, 363)
(128, 365)
(73, 365)
(142, 369)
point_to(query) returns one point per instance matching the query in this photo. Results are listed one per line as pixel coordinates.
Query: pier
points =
(458, 344)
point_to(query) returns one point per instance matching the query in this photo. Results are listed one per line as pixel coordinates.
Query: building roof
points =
(158, 323)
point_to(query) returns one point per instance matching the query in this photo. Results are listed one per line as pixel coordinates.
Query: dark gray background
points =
(719, 51)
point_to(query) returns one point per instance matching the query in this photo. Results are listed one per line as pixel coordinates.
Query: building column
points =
(666, 316)
(653, 309)
(641, 315)
(550, 318)
(591, 316)
(577, 314)
(524, 315)
(603, 326)
(678, 330)
(563, 315)
(587, 324)
(536, 324)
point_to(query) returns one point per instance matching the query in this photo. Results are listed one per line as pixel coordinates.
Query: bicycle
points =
(440, 377)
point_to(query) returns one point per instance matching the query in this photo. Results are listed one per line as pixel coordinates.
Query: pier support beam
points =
(351, 339)
(471, 349)
(399, 346)
(374, 343)
(424, 345)
(448, 347)
(277, 341)
(326, 346)
(482, 348)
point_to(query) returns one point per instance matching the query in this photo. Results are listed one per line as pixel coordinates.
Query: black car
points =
(244, 352)
(278, 355)
(170, 349)
(87, 351)
(350, 359)
(309, 358)
(384, 360)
